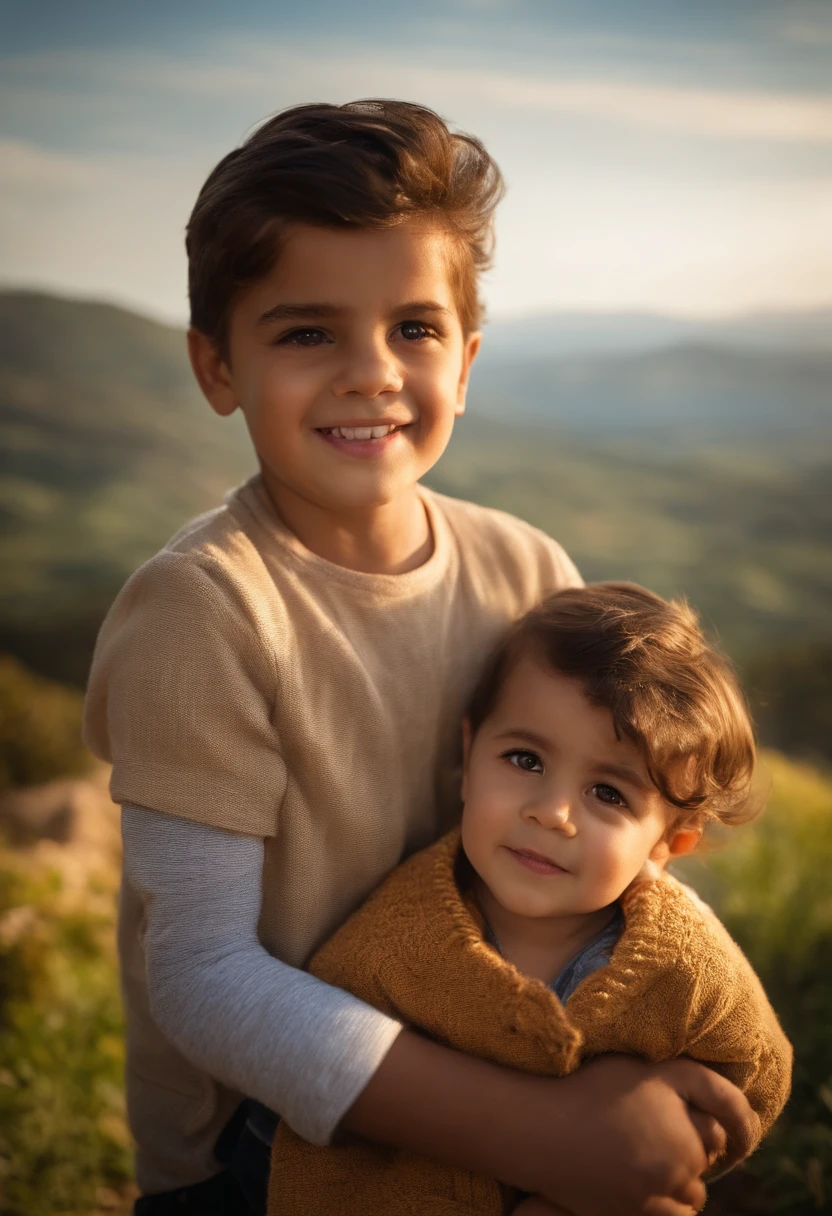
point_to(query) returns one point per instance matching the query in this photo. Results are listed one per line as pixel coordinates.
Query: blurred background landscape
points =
(654, 390)
(694, 459)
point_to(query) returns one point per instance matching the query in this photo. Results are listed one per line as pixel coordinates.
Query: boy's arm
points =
(266, 1029)
(308, 1050)
(615, 1138)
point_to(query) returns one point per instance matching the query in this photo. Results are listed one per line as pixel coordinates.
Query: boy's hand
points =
(656, 1130)
(536, 1205)
(616, 1138)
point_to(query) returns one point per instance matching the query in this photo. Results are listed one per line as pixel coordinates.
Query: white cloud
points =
(27, 167)
(714, 248)
(604, 210)
(270, 74)
(97, 226)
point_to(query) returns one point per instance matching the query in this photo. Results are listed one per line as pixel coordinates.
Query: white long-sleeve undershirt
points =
(266, 1029)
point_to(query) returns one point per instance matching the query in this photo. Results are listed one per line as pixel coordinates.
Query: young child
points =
(602, 737)
(278, 691)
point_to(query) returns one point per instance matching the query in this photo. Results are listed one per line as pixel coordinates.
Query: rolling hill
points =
(696, 470)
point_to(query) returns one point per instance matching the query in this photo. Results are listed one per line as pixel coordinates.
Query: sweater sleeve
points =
(277, 1034)
(734, 1029)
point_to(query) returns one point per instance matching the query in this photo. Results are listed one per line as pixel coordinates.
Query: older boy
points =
(278, 690)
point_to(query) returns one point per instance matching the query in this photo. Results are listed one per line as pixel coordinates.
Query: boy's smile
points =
(350, 365)
(560, 815)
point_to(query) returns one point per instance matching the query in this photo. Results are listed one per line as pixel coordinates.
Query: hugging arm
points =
(317, 1055)
(613, 1139)
(274, 1033)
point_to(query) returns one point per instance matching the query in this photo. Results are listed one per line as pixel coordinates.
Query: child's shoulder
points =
(676, 944)
(501, 542)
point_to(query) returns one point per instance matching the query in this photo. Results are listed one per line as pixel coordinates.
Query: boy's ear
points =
(466, 752)
(469, 354)
(212, 373)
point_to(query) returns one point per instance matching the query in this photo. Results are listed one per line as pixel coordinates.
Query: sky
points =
(662, 156)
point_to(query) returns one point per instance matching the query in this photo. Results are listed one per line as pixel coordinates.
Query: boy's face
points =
(348, 361)
(560, 815)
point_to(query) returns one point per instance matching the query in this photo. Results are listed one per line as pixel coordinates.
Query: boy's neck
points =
(391, 538)
(540, 946)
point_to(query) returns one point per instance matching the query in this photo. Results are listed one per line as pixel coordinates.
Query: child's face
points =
(354, 329)
(560, 815)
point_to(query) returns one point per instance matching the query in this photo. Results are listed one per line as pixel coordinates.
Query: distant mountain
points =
(685, 393)
(552, 334)
(676, 466)
(106, 447)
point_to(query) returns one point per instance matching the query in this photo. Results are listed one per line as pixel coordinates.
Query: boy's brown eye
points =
(303, 337)
(414, 330)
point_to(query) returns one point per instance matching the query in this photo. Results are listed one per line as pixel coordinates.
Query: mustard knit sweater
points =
(676, 984)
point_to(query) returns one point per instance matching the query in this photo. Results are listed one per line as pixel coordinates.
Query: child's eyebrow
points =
(625, 773)
(527, 736)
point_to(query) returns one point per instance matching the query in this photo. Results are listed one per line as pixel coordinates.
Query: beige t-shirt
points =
(242, 681)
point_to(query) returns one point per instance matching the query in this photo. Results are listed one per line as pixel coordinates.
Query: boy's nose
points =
(369, 372)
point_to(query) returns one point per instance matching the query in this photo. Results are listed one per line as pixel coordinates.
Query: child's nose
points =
(555, 813)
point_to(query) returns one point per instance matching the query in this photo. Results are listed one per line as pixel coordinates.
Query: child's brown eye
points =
(608, 794)
(527, 762)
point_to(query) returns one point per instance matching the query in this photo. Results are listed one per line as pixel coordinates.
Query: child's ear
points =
(466, 752)
(212, 373)
(677, 844)
(469, 354)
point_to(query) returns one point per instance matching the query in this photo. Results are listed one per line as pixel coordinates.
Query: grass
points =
(64, 1145)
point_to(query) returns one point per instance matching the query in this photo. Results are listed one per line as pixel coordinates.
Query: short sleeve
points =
(181, 698)
(566, 573)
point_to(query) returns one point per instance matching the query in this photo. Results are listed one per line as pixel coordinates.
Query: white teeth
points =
(361, 432)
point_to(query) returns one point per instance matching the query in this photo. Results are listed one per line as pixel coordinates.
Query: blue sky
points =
(659, 155)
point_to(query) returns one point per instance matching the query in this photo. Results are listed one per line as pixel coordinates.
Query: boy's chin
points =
(344, 495)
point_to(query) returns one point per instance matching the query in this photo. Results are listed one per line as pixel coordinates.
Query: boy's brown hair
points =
(367, 164)
(646, 660)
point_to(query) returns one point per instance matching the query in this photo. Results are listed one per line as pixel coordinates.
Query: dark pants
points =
(244, 1148)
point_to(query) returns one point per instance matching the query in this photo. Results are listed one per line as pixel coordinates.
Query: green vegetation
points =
(63, 1142)
(64, 1145)
(791, 690)
(745, 538)
(40, 728)
(108, 448)
(695, 472)
(770, 885)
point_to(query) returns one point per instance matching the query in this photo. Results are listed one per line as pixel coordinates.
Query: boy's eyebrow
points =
(294, 312)
(423, 306)
(287, 312)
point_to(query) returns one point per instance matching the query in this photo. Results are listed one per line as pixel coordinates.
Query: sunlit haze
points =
(659, 156)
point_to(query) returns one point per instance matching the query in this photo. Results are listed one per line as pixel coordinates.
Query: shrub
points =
(771, 886)
(40, 728)
(64, 1145)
